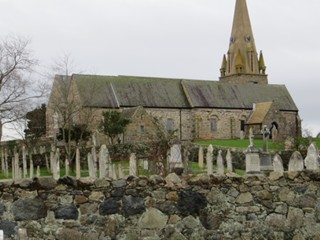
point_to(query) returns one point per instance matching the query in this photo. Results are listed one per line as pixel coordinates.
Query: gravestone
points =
(229, 161)
(252, 160)
(56, 165)
(1, 235)
(242, 135)
(209, 160)
(38, 172)
(312, 159)
(133, 165)
(24, 162)
(78, 170)
(278, 164)
(220, 166)
(91, 166)
(296, 162)
(22, 233)
(103, 162)
(175, 158)
(200, 158)
(266, 162)
(145, 164)
(265, 136)
(66, 165)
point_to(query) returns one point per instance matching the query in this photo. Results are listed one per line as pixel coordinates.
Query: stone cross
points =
(296, 162)
(278, 164)
(251, 136)
(265, 136)
(220, 165)
(209, 159)
(229, 161)
(133, 165)
(311, 161)
(200, 158)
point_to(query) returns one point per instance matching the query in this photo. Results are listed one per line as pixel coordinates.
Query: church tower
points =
(242, 63)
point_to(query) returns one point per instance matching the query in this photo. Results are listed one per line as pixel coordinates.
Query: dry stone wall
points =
(188, 207)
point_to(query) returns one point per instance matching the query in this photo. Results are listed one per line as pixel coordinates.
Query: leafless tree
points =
(17, 89)
(65, 113)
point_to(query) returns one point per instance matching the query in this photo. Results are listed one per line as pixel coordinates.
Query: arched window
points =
(213, 124)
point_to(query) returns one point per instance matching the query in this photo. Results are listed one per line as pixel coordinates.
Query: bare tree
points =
(66, 116)
(17, 88)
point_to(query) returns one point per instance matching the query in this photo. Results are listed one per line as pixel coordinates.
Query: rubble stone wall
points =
(153, 208)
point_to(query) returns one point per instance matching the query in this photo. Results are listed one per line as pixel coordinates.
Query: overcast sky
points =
(174, 39)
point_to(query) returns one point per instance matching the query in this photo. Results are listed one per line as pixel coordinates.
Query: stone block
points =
(153, 219)
(66, 212)
(244, 198)
(29, 209)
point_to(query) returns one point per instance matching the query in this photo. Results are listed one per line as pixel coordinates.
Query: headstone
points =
(229, 161)
(266, 162)
(52, 158)
(175, 158)
(91, 167)
(220, 165)
(66, 165)
(56, 165)
(24, 162)
(252, 160)
(296, 162)
(265, 136)
(78, 170)
(114, 172)
(311, 161)
(2, 161)
(31, 166)
(145, 164)
(22, 233)
(200, 158)
(242, 135)
(209, 160)
(1, 235)
(94, 157)
(38, 171)
(103, 162)
(274, 133)
(120, 171)
(133, 165)
(6, 173)
(278, 164)
(16, 166)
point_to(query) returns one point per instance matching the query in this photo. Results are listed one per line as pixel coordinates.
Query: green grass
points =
(237, 143)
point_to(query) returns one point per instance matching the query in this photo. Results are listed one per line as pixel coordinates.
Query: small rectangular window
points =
(242, 124)
(170, 124)
(213, 125)
(142, 128)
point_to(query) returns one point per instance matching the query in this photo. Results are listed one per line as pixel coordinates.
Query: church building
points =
(225, 109)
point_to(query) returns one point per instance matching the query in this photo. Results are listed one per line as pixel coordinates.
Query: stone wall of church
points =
(218, 123)
(181, 119)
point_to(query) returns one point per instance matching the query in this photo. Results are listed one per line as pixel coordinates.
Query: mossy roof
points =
(212, 94)
(260, 112)
(127, 91)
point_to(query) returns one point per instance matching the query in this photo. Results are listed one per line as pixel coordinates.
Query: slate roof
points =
(213, 94)
(127, 91)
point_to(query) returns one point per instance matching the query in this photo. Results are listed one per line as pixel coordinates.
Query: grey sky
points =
(174, 38)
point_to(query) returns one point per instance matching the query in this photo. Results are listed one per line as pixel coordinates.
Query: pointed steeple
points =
(242, 47)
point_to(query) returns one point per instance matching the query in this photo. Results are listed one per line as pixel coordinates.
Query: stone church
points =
(196, 109)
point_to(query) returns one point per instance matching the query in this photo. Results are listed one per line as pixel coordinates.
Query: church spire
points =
(242, 47)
